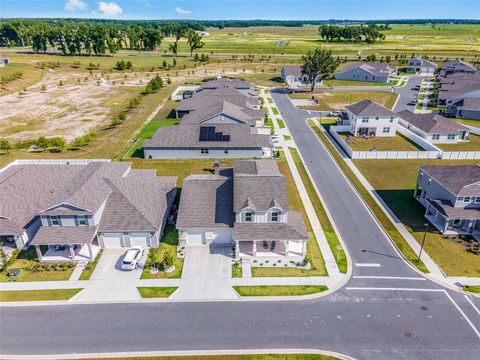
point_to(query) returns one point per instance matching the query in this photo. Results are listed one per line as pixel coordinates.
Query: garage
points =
(113, 240)
(140, 239)
(222, 236)
(195, 237)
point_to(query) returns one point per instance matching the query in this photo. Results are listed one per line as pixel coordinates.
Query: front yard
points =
(156, 292)
(393, 143)
(38, 295)
(279, 290)
(394, 181)
(472, 145)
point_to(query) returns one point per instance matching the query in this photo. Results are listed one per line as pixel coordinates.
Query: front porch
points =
(291, 249)
(452, 226)
(72, 252)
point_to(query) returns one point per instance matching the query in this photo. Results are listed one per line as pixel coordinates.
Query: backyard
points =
(472, 145)
(378, 143)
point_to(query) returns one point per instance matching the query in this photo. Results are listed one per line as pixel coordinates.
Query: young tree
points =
(168, 260)
(5, 145)
(318, 65)
(194, 40)
(58, 143)
(43, 142)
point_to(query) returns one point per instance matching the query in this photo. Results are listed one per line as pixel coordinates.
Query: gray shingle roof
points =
(369, 108)
(374, 68)
(223, 108)
(432, 123)
(64, 235)
(461, 180)
(451, 212)
(454, 66)
(206, 201)
(9, 227)
(221, 82)
(469, 104)
(455, 85)
(292, 70)
(424, 62)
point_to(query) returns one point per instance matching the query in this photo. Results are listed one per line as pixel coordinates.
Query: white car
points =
(275, 139)
(132, 258)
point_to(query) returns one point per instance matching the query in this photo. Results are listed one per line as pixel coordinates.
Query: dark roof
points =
(471, 104)
(206, 201)
(431, 122)
(450, 212)
(292, 70)
(461, 180)
(221, 82)
(424, 62)
(258, 184)
(293, 229)
(454, 66)
(375, 68)
(64, 235)
(458, 84)
(9, 227)
(241, 135)
(223, 108)
(369, 108)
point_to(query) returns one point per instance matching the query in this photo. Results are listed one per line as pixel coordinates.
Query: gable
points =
(222, 118)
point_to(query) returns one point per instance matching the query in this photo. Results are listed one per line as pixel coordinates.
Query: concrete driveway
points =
(108, 268)
(207, 274)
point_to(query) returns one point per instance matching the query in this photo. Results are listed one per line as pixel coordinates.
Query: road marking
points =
(367, 265)
(473, 305)
(463, 314)
(393, 289)
(389, 277)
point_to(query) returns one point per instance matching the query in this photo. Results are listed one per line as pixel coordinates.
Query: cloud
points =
(180, 10)
(109, 8)
(73, 5)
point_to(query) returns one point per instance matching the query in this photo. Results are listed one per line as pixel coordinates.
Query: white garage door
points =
(222, 236)
(139, 239)
(112, 240)
(194, 237)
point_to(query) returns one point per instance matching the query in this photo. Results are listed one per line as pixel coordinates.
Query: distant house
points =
(451, 196)
(292, 76)
(4, 61)
(456, 66)
(366, 71)
(421, 65)
(434, 128)
(459, 93)
(247, 205)
(466, 108)
(369, 118)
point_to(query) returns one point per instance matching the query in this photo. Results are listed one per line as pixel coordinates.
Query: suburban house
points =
(4, 61)
(434, 128)
(246, 205)
(451, 196)
(366, 71)
(456, 66)
(421, 65)
(69, 211)
(292, 76)
(459, 93)
(367, 118)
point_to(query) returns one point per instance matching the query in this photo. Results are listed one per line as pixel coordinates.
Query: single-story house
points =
(4, 61)
(366, 71)
(434, 128)
(421, 65)
(459, 93)
(451, 196)
(292, 76)
(75, 210)
(456, 66)
(466, 108)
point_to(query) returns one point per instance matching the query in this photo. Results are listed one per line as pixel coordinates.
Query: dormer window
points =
(248, 217)
(275, 216)
(82, 220)
(467, 199)
(54, 220)
(477, 200)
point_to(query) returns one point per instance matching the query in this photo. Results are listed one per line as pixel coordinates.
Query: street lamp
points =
(423, 241)
(339, 248)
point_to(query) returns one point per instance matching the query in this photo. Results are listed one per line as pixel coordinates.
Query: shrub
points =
(129, 65)
(43, 88)
(43, 142)
(5, 145)
(168, 260)
(57, 143)
(154, 85)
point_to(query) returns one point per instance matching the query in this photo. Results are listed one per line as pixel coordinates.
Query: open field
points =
(279, 290)
(472, 145)
(337, 100)
(38, 295)
(395, 181)
(390, 143)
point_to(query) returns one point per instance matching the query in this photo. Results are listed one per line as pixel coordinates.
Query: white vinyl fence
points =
(178, 93)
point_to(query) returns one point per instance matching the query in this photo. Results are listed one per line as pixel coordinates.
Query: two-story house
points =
(451, 196)
(367, 118)
(247, 206)
(72, 211)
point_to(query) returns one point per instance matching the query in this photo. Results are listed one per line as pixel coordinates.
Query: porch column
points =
(237, 249)
(304, 248)
(39, 252)
(287, 243)
(254, 248)
(72, 252)
(446, 226)
(90, 251)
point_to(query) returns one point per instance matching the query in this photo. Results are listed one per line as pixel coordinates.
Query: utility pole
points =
(423, 241)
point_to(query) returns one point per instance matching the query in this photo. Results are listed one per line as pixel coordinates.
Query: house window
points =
(248, 217)
(82, 220)
(467, 199)
(364, 119)
(225, 151)
(451, 137)
(54, 220)
(376, 118)
(386, 130)
(275, 216)
(477, 200)
(429, 181)
(204, 151)
(436, 137)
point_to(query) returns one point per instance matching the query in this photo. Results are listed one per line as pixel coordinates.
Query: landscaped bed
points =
(279, 290)
(473, 289)
(38, 295)
(156, 292)
(281, 124)
(90, 268)
(390, 143)
(472, 145)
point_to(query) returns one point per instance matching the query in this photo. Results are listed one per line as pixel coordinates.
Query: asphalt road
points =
(386, 311)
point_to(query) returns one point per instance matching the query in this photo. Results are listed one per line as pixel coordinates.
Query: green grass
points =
(394, 182)
(235, 357)
(473, 289)
(152, 126)
(270, 100)
(30, 76)
(472, 145)
(38, 295)
(474, 123)
(287, 137)
(390, 143)
(275, 111)
(169, 243)
(334, 82)
(90, 268)
(237, 270)
(279, 290)
(281, 124)
(327, 227)
(389, 227)
(156, 292)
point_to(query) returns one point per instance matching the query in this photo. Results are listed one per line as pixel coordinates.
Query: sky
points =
(243, 9)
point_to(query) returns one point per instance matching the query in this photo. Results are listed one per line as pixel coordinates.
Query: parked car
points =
(132, 258)
(412, 102)
(275, 139)
(334, 113)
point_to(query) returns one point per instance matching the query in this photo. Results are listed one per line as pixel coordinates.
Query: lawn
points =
(26, 260)
(169, 243)
(237, 270)
(472, 145)
(287, 137)
(334, 82)
(474, 123)
(473, 289)
(30, 76)
(90, 268)
(281, 124)
(327, 227)
(156, 292)
(337, 100)
(38, 295)
(234, 357)
(275, 111)
(389, 227)
(313, 251)
(279, 290)
(395, 181)
(391, 143)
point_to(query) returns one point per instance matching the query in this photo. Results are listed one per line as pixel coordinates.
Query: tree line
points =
(369, 33)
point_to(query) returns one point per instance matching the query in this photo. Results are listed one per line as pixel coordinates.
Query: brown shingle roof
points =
(446, 209)
(369, 108)
(64, 235)
(461, 180)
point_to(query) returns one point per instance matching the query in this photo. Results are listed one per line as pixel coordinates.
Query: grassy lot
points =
(30, 76)
(393, 143)
(473, 289)
(156, 292)
(395, 181)
(391, 230)
(313, 251)
(237, 270)
(169, 243)
(90, 268)
(287, 137)
(275, 111)
(327, 227)
(38, 295)
(475, 123)
(472, 145)
(281, 124)
(234, 357)
(334, 82)
(279, 290)
(26, 260)
(337, 100)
